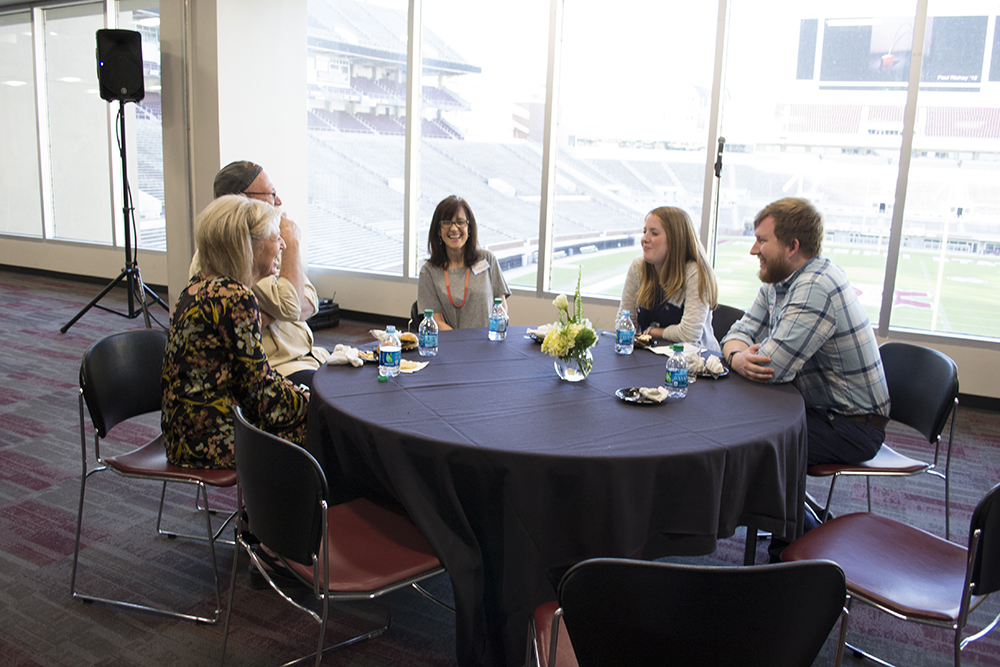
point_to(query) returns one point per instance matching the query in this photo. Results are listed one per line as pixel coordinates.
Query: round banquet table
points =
(514, 475)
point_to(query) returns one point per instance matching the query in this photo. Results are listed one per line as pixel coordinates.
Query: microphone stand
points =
(130, 274)
(718, 189)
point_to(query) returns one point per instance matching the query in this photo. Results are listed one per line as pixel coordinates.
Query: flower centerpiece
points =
(569, 340)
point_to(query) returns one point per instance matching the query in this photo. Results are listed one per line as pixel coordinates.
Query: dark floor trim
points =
(76, 278)
(979, 402)
(375, 318)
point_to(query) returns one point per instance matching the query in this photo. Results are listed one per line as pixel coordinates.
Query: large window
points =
(20, 198)
(949, 263)
(143, 16)
(77, 126)
(481, 130)
(813, 108)
(60, 173)
(357, 113)
(812, 104)
(634, 100)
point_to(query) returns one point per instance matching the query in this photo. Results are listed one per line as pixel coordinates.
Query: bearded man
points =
(808, 327)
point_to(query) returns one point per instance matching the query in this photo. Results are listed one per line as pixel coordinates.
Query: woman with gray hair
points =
(214, 359)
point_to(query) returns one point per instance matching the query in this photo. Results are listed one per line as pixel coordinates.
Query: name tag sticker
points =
(480, 266)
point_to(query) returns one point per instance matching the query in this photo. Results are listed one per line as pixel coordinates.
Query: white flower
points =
(561, 302)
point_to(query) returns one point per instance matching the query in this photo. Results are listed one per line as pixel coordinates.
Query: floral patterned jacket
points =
(214, 361)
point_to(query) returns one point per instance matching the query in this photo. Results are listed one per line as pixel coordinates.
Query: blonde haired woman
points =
(670, 290)
(214, 359)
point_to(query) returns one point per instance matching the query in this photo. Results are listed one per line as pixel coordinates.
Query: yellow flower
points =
(557, 343)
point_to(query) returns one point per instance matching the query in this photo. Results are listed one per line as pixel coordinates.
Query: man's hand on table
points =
(752, 366)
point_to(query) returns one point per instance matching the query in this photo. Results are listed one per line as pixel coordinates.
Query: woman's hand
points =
(655, 332)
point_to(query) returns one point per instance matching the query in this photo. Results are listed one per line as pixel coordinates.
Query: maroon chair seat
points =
(871, 549)
(910, 573)
(369, 548)
(151, 460)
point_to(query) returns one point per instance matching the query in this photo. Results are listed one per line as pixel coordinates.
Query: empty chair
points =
(923, 390)
(352, 551)
(120, 380)
(636, 613)
(723, 317)
(910, 573)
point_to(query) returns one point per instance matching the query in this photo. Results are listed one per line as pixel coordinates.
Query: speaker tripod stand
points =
(130, 274)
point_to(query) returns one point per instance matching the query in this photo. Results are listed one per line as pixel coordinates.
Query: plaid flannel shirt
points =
(818, 336)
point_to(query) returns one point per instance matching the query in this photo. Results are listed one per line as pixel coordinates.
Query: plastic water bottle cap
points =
(383, 378)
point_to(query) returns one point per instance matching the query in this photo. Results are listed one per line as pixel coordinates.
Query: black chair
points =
(910, 573)
(636, 613)
(415, 316)
(723, 317)
(120, 380)
(353, 551)
(923, 390)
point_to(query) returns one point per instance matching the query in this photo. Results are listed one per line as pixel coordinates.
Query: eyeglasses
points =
(461, 224)
(273, 194)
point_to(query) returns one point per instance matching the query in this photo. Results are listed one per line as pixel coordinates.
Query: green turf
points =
(961, 299)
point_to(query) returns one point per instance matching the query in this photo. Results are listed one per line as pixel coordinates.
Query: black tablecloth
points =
(514, 475)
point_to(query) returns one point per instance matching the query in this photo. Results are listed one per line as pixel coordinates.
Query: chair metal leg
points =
(211, 551)
(430, 596)
(858, 653)
(750, 546)
(845, 616)
(232, 592)
(79, 527)
(829, 499)
(947, 475)
(201, 492)
(209, 620)
(529, 650)
(554, 631)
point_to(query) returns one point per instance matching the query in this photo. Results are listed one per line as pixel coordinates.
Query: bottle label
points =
(498, 324)
(677, 378)
(388, 358)
(624, 337)
(428, 340)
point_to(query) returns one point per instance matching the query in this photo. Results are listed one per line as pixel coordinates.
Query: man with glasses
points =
(287, 299)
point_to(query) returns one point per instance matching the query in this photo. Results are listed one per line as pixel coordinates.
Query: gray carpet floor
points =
(40, 465)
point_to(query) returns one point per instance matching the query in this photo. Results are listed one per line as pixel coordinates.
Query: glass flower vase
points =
(574, 368)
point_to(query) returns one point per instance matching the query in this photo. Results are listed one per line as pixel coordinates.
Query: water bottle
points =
(389, 354)
(427, 335)
(498, 320)
(677, 373)
(624, 333)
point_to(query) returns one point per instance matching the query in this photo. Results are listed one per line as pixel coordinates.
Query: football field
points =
(935, 291)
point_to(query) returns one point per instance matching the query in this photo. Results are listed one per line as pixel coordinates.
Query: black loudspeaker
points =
(119, 65)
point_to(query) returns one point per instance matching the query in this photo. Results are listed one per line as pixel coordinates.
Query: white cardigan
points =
(696, 323)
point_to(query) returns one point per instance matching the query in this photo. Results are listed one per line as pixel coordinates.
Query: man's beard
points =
(775, 270)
